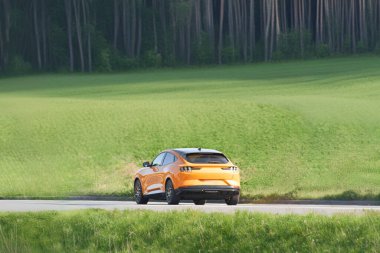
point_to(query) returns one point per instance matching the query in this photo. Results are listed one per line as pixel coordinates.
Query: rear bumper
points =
(207, 192)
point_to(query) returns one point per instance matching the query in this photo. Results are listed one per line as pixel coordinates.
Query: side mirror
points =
(146, 164)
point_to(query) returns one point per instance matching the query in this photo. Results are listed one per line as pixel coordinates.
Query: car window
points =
(158, 160)
(169, 158)
(206, 158)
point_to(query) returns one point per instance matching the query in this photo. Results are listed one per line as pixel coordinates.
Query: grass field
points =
(308, 129)
(139, 231)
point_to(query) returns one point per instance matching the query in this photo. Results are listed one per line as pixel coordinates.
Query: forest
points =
(117, 35)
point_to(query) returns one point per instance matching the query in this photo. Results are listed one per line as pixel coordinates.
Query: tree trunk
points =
(87, 30)
(244, 29)
(353, 26)
(188, 36)
(44, 34)
(210, 22)
(1, 49)
(163, 20)
(272, 33)
(231, 26)
(154, 7)
(174, 31)
(268, 26)
(79, 32)
(116, 21)
(197, 19)
(220, 44)
(6, 33)
(252, 28)
(68, 8)
(125, 36)
(37, 34)
(139, 30)
(328, 23)
(133, 31)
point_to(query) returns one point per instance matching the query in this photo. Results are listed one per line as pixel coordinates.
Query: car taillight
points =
(232, 168)
(185, 169)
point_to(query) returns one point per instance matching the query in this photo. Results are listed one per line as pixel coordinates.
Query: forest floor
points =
(297, 130)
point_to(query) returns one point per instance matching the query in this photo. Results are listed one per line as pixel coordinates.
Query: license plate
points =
(212, 182)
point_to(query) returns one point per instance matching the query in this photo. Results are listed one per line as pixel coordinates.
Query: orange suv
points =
(188, 174)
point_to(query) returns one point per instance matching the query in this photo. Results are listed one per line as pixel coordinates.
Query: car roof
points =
(184, 151)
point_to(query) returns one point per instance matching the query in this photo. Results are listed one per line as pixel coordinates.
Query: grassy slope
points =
(310, 129)
(102, 231)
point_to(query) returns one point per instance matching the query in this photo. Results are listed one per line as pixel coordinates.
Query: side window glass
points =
(169, 158)
(158, 160)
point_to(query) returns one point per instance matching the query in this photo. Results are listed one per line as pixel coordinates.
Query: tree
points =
(128, 33)
(5, 20)
(220, 44)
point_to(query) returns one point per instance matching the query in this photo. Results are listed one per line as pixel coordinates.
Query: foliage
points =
(203, 50)
(361, 47)
(293, 45)
(322, 50)
(18, 65)
(104, 62)
(228, 55)
(377, 48)
(347, 45)
(58, 51)
(152, 59)
(102, 53)
(181, 9)
(306, 128)
(120, 62)
(259, 52)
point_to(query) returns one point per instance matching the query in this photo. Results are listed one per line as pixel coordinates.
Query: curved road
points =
(65, 205)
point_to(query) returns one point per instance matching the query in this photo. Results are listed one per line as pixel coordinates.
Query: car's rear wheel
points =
(170, 194)
(199, 202)
(232, 200)
(139, 196)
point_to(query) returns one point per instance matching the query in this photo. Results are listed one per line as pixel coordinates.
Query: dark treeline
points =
(105, 35)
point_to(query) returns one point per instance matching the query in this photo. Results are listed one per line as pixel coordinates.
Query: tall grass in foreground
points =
(142, 231)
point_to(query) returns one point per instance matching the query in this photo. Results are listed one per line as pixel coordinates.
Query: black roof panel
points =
(195, 150)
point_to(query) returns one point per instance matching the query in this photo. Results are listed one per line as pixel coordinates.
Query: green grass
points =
(189, 231)
(308, 129)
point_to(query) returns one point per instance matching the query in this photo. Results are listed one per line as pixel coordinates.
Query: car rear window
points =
(206, 158)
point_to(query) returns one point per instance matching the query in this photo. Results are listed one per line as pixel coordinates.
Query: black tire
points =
(233, 200)
(170, 194)
(139, 196)
(199, 202)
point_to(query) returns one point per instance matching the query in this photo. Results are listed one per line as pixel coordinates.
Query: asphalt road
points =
(65, 205)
